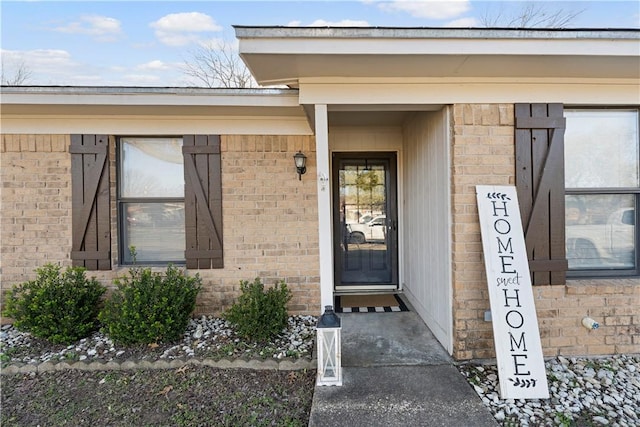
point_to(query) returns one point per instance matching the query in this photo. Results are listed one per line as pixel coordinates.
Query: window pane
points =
(152, 167)
(600, 231)
(155, 229)
(601, 149)
(362, 192)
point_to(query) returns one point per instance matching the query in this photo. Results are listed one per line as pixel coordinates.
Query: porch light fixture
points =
(301, 164)
(329, 358)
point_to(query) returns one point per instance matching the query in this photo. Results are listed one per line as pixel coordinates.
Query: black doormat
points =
(383, 303)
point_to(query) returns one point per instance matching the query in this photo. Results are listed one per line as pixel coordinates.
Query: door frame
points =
(392, 206)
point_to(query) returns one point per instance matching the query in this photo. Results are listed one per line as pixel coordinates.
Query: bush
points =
(257, 314)
(150, 307)
(61, 308)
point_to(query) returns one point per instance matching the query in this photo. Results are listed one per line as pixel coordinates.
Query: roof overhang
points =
(149, 101)
(289, 55)
(157, 110)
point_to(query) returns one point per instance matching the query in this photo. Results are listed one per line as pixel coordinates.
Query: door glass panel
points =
(367, 231)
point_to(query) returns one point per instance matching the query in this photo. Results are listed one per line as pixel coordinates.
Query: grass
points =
(189, 396)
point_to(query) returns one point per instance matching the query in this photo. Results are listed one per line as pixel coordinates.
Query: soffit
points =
(279, 55)
(373, 114)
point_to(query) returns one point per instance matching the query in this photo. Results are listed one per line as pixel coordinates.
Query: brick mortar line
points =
(284, 365)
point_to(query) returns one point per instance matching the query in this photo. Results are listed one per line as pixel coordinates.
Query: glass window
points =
(602, 181)
(151, 200)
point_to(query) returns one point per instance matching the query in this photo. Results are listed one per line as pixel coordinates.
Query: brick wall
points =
(35, 204)
(483, 153)
(614, 303)
(269, 216)
(270, 220)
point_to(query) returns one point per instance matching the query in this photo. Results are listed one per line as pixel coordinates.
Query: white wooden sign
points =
(516, 335)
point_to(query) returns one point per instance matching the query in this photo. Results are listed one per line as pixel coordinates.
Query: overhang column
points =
(325, 241)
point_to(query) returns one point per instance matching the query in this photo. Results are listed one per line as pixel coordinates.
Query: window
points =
(602, 187)
(169, 200)
(151, 200)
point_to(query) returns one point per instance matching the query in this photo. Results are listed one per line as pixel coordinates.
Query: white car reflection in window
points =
(374, 230)
(609, 245)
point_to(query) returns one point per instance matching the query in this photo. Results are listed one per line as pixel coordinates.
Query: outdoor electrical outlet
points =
(487, 316)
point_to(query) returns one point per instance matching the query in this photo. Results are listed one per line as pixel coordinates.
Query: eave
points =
(287, 55)
(147, 110)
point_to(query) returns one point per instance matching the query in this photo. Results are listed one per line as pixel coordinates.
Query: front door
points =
(365, 221)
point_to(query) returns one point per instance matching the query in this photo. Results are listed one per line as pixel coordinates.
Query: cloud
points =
(463, 23)
(101, 28)
(431, 9)
(179, 29)
(57, 67)
(156, 65)
(40, 59)
(323, 23)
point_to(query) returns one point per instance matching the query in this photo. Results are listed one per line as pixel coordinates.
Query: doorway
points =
(365, 218)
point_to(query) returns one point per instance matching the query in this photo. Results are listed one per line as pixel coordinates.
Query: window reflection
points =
(152, 200)
(602, 181)
(156, 230)
(152, 167)
(600, 231)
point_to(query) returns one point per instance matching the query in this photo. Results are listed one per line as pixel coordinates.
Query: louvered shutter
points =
(90, 206)
(203, 201)
(539, 143)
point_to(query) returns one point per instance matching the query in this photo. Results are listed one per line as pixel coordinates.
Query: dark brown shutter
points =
(539, 143)
(203, 201)
(90, 206)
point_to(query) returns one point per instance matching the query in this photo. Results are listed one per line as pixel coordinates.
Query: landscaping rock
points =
(583, 391)
(205, 337)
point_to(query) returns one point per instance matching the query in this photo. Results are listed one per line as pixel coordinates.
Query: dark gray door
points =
(365, 219)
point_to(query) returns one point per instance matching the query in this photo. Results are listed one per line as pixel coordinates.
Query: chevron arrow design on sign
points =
(523, 383)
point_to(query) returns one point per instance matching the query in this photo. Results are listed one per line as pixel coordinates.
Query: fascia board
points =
(159, 125)
(452, 47)
(42, 96)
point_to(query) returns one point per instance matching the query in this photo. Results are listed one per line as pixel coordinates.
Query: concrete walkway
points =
(395, 373)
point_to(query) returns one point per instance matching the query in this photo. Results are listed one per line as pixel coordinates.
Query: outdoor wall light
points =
(329, 352)
(301, 164)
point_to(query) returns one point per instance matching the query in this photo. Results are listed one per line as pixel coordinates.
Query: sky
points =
(146, 43)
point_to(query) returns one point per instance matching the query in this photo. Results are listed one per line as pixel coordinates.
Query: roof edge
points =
(245, 31)
(146, 90)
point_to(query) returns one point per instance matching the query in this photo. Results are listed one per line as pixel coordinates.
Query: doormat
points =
(384, 303)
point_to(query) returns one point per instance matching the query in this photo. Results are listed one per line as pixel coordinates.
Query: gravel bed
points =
(583, 392)
(205, 337)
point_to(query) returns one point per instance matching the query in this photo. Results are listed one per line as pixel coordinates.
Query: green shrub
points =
(61, 308)
(257, 314)
(150, 307)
